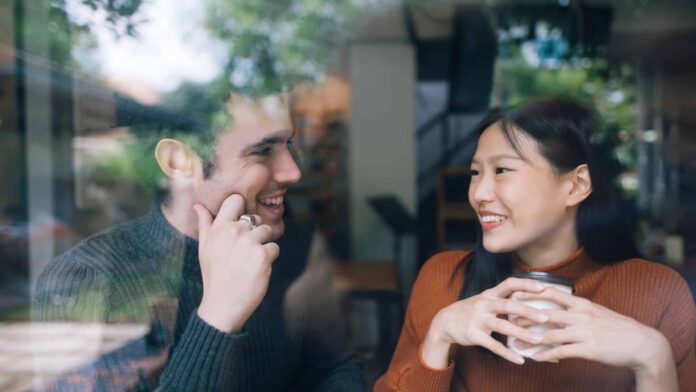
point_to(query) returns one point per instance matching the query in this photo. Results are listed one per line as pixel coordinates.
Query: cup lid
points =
(545, 277)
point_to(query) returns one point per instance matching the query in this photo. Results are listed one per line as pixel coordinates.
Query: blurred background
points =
(386, 95)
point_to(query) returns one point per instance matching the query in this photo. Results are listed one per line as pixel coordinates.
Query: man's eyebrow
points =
(267, 141)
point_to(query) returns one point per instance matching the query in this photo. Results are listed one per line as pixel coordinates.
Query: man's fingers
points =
(205, 219)
(272, 250)
(262, 233)
(258, 221)
(231, 208)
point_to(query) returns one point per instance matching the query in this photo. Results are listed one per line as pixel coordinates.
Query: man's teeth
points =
(492, 218)
(272, 201)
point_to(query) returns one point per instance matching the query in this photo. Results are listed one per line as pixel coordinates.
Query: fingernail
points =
(518, 294)
(537, 338)
(542, 317)
(519, 360)
(538, 286)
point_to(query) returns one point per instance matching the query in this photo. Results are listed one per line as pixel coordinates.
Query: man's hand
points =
(235, 263)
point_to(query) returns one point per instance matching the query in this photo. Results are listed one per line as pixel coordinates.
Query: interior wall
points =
(381, 143)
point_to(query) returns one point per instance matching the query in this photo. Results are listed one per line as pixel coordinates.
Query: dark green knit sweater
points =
(114, 276)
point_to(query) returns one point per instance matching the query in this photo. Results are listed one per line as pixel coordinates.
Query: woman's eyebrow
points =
(505, 156)
(496, 158)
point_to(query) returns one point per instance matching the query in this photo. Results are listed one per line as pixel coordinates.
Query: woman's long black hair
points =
(563, 130)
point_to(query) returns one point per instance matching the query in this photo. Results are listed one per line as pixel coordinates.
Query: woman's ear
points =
(581, 185)
(176, 160)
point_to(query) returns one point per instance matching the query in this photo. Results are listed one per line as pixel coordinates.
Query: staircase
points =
(455, 80)
(445, 217)
(454, 213)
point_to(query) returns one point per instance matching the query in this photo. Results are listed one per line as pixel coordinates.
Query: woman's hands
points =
(470, 322)
(593, 332)
(235, 263)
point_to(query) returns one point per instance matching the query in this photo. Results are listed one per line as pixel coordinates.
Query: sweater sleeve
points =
(330, 370)
(205, 358)
(70, 290)
(678, 324)
(407, 372)
(326, 363)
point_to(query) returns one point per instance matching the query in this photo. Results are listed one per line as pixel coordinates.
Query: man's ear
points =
(176, 160)
(581, 185)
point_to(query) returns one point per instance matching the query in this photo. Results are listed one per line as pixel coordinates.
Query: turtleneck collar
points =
(162, 237)
(571, 267)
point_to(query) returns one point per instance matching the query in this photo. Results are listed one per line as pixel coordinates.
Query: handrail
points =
(429, 125)
(447, 156)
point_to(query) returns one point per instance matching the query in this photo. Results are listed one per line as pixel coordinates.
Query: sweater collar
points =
(571, 267)
(163, 238)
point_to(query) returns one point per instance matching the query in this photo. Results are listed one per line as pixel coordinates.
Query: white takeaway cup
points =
(548, 280)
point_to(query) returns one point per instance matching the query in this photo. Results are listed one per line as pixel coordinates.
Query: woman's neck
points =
(551, 249)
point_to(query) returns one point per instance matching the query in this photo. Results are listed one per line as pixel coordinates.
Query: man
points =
(235, 327)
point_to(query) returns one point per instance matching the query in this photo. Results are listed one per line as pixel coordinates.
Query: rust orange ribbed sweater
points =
(653, 294)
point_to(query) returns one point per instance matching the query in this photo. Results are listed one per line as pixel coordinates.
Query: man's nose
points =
(286, 169)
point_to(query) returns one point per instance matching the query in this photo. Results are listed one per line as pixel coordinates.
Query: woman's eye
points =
(501, 170)
(474, 172)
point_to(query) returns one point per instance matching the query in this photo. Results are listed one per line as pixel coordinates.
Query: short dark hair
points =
(563, 130)
(202, 139)
(147, 170)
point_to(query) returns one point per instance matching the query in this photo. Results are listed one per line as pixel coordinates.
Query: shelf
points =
(456, 211)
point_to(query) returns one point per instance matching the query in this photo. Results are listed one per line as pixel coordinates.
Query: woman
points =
(543, 206)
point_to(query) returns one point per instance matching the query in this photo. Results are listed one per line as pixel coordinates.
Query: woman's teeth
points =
(271, 201)
(492, 218)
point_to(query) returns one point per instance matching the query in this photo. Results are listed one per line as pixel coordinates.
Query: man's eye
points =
(501, 170)
(264, 152)
(291, 141)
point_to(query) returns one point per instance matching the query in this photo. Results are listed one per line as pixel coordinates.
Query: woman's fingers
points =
(510, 285)
(522, 345)
(551, 294)
(507, 328)
(564, 317)
(498, 348)
(561, 352)
(507, 307)
(524, 322)
(565, 336)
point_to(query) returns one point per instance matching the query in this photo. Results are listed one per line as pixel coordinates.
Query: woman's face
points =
(521, 202)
